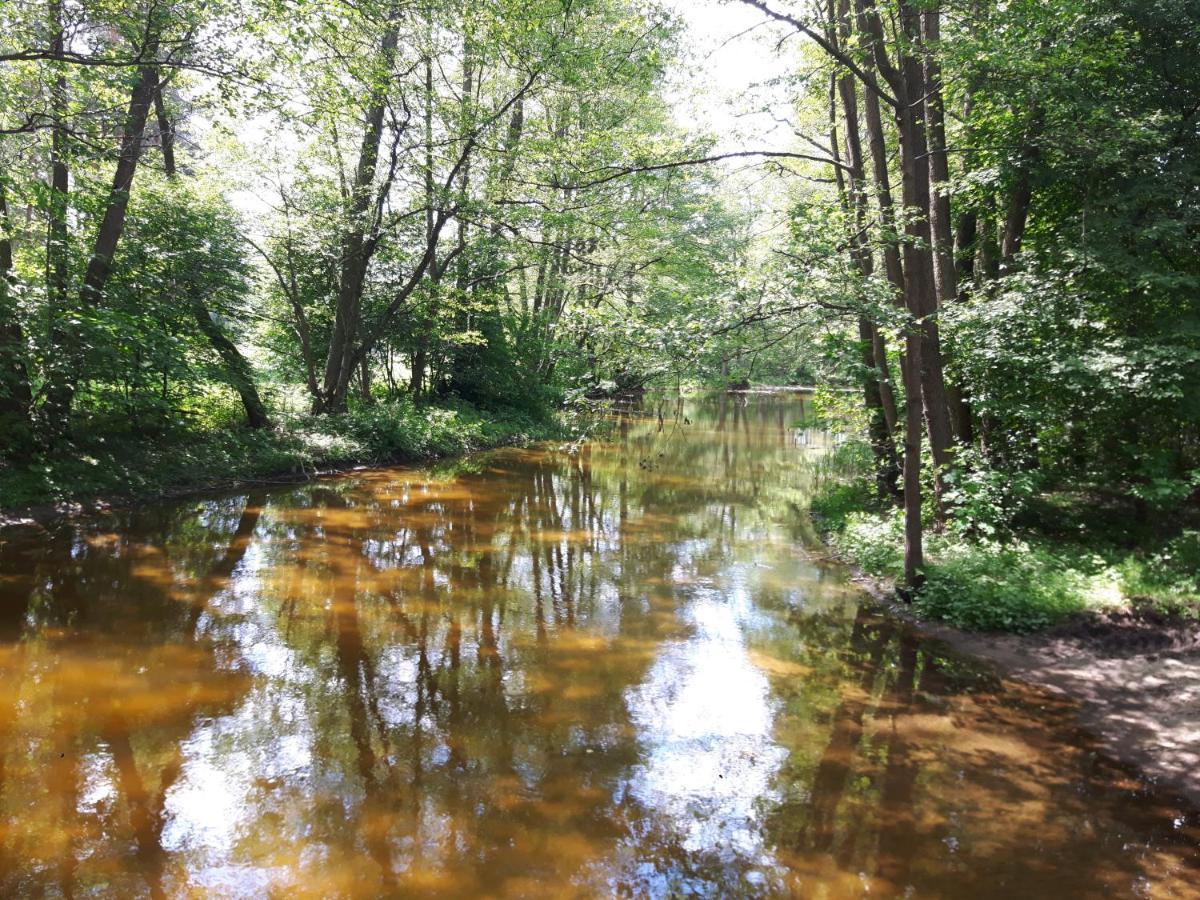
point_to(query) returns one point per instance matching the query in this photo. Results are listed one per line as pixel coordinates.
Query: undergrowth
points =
(982, 574)
(128, 465)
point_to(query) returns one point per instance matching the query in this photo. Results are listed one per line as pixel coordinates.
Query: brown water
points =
(608, 671)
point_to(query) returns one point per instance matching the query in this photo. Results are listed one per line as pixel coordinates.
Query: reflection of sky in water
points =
(705, 719)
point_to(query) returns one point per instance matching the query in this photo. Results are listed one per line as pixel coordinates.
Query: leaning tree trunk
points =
(61, 386)
(238, 372)
(356, 248)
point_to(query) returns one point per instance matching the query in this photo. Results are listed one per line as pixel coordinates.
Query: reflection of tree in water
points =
(105, 660)
(500, 608)
(910, 808)
(447, 671)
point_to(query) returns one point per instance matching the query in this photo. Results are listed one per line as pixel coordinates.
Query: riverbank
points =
(98, 472)
(1120, 640)
(1134, 677)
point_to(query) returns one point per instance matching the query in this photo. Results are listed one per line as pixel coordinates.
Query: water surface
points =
(611, 669)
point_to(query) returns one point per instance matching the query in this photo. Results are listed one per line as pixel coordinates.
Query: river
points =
(616, 668)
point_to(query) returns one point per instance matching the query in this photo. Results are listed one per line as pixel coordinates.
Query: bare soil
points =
(1134, 674)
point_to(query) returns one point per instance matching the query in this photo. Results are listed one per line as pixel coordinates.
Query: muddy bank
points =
(1135, 676)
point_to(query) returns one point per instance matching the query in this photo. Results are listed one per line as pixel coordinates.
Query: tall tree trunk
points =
(902, 271)
(462, 265)
(907, 81)
(921, 291)
(59, 366)
(941, 224)
(62, 383)
(15, 394)
(854, 203)
(421, 351)
(893, 266)
(356, 249)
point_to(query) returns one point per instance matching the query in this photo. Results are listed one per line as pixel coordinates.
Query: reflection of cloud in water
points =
(705, 719)
(204, 811)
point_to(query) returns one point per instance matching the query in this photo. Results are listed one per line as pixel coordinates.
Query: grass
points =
(127, 466)
(1021, 579)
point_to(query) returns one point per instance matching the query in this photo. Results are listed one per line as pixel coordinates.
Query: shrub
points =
(983, 500)
(834, 504)
(992, 587)
(875, 542)
(1169, 578)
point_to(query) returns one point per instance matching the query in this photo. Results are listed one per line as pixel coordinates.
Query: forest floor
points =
(102, 469)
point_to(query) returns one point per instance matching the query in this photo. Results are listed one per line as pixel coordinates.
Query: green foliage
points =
(979, 585)
(1168, 578)
(123, 466)
(983, 586)
(839, 410)
(983, 499)
(833, 506)
(873, 541)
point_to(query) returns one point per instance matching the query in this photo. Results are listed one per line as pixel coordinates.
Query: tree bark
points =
(59, 367)
(62, 382)
(945, 273)
(237, 368)
(914, 274)
(16, 397)
(853, 197)
(238, 371)
(921, 290)
(356, 249)
(113, 224)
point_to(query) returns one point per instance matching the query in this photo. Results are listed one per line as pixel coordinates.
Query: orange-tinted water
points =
(608, 671)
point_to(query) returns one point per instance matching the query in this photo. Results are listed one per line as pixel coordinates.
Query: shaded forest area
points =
(256, 236)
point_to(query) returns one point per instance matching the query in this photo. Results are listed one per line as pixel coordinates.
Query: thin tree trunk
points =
(905, 274)
(237, 368)
(61, 387)
(906, 79)
(417, 382)
(941, 224)
(113, 224)
(921, 291)
(59, 367)
(15, 394)
(854, 203)
(421, 352)
(989, 248)
(238, 371)
(356, 250)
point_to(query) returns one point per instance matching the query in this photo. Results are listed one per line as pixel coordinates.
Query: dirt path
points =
(1136, 678)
